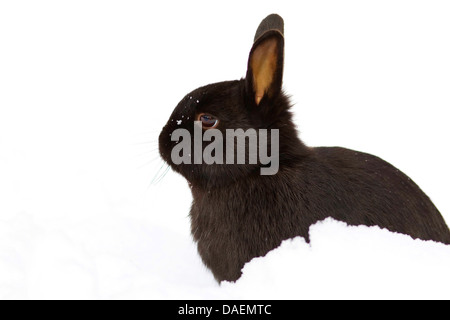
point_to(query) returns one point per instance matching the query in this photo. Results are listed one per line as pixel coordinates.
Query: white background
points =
(86, 209)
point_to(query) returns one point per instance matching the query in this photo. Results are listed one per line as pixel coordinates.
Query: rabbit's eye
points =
(208, 121)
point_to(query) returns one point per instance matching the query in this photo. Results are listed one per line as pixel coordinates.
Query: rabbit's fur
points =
(238, 214)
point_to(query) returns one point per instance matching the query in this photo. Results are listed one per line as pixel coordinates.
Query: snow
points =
(343, 262)
(89, 211)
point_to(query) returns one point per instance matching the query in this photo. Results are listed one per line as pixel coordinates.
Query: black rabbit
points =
(238, 214)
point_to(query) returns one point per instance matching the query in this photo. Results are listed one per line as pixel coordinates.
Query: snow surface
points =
(89, 211)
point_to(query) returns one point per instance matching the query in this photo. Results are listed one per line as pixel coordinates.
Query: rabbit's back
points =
(364, 189)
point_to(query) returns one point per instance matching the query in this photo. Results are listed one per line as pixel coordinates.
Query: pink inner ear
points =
(264, 64)
(258, 99)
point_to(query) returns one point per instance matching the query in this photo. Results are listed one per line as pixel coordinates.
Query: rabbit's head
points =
(251, 104)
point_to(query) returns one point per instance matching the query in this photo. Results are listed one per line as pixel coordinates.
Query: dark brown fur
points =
(237, 214)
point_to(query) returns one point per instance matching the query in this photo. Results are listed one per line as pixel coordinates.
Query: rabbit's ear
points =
(265, 64)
